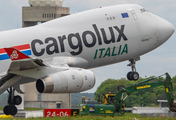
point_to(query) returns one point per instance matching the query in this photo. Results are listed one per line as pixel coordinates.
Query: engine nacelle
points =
(69, 81)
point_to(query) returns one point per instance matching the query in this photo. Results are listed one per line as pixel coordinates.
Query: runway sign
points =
(60, 112)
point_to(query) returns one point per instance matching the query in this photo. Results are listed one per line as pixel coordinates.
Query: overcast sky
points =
(157, 62)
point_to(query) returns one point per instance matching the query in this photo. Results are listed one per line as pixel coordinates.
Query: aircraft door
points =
(134, 15)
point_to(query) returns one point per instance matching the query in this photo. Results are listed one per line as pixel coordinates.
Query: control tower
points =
(43, 11)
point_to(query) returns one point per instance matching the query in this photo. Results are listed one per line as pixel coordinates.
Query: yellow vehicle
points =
(109, 97)
(6, 116)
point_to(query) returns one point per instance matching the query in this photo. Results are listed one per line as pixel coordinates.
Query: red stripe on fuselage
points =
(19, 47)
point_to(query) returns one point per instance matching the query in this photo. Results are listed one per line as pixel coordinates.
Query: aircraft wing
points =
(24, 66)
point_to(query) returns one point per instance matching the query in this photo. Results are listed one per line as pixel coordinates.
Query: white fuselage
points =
(100, 36)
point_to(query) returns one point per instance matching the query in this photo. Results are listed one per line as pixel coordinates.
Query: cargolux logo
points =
(76, 41)
(14, 55)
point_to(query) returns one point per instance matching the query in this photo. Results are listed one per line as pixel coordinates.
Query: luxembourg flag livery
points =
(23, 48)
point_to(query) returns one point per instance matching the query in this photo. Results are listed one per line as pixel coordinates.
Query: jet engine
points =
(69, 81)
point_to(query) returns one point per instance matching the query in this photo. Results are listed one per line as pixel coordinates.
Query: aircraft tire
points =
(17, 100)
(6, 110)
(134, 76)
(129, 75)
(13, 110)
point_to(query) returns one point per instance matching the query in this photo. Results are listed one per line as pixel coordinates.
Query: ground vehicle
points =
(115, 105)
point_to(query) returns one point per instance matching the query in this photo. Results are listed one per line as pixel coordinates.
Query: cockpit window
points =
(143, 10)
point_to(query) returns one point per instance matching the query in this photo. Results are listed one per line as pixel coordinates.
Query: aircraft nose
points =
(166, 28)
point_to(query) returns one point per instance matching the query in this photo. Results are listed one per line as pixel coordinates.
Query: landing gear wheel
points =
(6, 110)
(17, 100)
(129, 76)
(13, 110)
(134, 76)
(10, 109)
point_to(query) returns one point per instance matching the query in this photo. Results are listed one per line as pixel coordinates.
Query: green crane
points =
(115, 103)
(144, 85)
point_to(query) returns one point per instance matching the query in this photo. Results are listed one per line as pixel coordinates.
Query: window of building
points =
(58, 105)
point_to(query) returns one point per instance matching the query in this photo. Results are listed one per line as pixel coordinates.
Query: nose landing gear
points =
(11, 109)
(133, 75)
